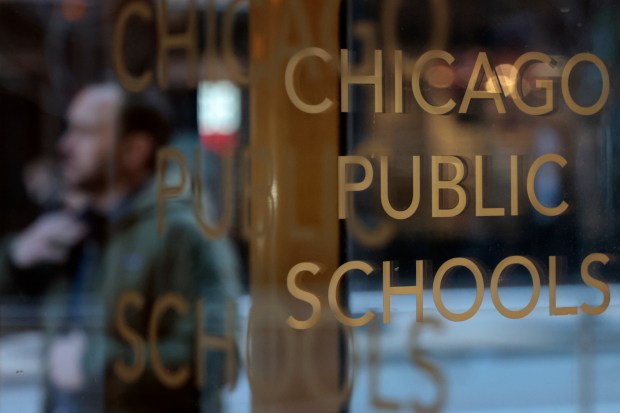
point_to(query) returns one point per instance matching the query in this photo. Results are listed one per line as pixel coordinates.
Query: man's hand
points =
(48, 240)
(65, 361)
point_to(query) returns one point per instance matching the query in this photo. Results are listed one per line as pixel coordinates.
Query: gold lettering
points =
(553, 306)
(344, 187)
(442, 272)
(481, 210)
(389, 290)
(221, 228)
(290, 81)
(482, 62)
(165, 374)
(296, 291)
(346, 79)
(497, 273)
(398, 81)
(568, 68)
(438, 184)
(594, 283)
(225, 344)
(385, 200)
(531, 192)
(334, 298)
(416, 78)
(514, 185)
(131, 373)
(519, 65)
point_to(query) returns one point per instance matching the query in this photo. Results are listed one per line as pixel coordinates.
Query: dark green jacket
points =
(135, 262)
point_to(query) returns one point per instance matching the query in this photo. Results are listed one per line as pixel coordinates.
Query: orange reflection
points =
(73, 10)
(440, 77)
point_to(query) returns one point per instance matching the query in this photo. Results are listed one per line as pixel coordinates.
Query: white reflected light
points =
(507, 76)
(219, 108)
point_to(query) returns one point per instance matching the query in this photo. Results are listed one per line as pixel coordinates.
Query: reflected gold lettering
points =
(170, 301)
(219, 229)
(131, 373)
(187, 41)
(164, 190)
(132, 83)
(416, 79)
(224, 344)
(424, 363)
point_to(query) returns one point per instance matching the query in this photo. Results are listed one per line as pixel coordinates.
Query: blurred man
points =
(106, 270)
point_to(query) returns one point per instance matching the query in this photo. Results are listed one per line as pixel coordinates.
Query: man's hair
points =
(147, 112)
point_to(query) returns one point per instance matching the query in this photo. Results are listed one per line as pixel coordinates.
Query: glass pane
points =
(309, 205)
